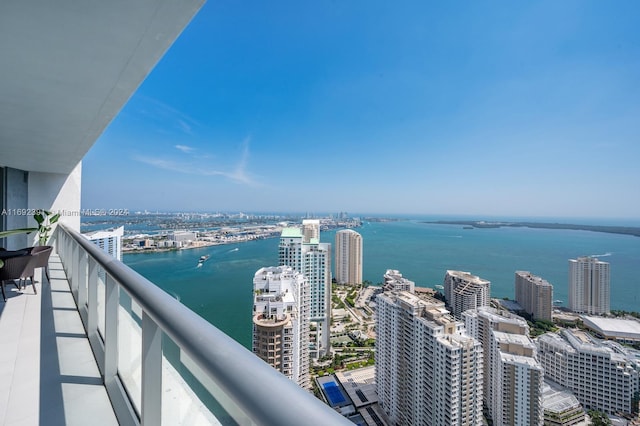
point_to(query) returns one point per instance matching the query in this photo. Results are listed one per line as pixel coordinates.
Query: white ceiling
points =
(67, 67)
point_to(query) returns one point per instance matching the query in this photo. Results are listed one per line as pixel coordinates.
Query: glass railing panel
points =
(186, 394)
(130, 348)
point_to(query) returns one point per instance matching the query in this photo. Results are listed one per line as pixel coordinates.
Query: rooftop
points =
(291, 232)
(614, 327)
(557, 399)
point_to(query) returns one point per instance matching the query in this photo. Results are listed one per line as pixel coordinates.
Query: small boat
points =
(202, 260)
(558, 302)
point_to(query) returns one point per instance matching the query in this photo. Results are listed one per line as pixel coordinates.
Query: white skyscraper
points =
(464, 291)
(301, 249)
(428, 371)
(348, 263)
(109, 240)
(589, 284)
(513, 378)
(281, 321)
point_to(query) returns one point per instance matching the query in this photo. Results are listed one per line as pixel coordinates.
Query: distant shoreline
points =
(624, 230)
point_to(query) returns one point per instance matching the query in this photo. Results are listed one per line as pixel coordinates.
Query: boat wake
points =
(601, 255)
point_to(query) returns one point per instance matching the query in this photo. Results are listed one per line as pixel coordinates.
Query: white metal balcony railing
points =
(141, 337)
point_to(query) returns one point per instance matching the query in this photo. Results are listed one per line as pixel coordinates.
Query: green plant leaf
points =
(53, 219)
(17, 231)
(39, 218)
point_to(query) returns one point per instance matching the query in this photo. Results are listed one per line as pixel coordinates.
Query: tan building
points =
(348, 257)
(428, 371)
(513, 378)
(535, 295)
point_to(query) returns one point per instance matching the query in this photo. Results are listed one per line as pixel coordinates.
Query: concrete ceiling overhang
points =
(67, 67)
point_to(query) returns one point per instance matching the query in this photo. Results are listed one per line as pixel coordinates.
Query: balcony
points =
(101, 342)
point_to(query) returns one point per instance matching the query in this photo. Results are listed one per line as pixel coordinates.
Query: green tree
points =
(599, 418)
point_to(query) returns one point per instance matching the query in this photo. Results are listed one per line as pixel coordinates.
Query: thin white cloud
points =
(185, 148)
(238, 174)
(167, 116)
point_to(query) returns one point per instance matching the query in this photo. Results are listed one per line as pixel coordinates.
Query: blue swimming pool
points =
(333, 393)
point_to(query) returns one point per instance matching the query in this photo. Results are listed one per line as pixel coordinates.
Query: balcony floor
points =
(48, 374)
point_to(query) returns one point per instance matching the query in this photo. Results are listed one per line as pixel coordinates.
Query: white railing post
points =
(110, 330)
(82, 286)
(92, 313)
(75, 272)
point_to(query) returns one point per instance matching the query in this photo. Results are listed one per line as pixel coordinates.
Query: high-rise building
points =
(513, 378)
(535, 295)
(348, 263)
(589, 283)
(281, 321)
(603, 375)
(301, 249)
(464, 291)
(428, 371)
(109, 240)
(394, 281)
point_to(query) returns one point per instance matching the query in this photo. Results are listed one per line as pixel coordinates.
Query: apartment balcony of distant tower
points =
(99, 344)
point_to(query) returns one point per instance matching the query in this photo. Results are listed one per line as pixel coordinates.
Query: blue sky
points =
(474, 108)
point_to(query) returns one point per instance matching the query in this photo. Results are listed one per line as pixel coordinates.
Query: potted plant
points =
(45, 220)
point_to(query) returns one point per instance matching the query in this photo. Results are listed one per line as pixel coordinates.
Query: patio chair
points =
(39, 259)
(12, 270)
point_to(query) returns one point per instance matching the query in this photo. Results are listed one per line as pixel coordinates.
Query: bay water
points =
(221, 290)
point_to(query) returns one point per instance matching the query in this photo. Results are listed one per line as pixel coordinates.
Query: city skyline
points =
(511, 110)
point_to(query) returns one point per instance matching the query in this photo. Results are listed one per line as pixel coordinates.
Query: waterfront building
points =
(281, 321)
(348, 257)
(535, 295)
(603, 375)
(513, 378)
(623, 330)
(394, 281)
(589, 286)
(109, 240)
(428, 371)
(301, 249)
(464, 291)
(183, 236)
